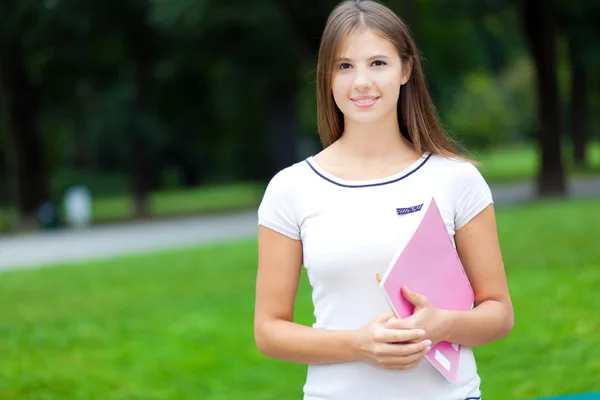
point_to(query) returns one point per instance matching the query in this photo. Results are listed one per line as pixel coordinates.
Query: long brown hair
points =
(417, 116)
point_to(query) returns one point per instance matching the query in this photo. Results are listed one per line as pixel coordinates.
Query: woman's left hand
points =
(425, 316)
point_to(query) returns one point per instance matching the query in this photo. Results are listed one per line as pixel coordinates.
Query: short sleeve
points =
(472, 195)
(276, 210)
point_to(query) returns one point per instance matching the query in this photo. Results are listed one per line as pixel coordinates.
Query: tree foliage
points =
(224, 90)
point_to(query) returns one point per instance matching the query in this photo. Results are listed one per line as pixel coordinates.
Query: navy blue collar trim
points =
(371, 184)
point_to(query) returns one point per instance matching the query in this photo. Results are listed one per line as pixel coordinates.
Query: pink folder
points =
(429, 265)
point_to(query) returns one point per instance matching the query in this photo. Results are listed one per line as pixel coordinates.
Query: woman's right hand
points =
(392, 349)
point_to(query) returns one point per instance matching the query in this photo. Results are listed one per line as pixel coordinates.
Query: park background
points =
(174, 111)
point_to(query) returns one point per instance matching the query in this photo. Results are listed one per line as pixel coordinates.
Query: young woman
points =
(336, 214)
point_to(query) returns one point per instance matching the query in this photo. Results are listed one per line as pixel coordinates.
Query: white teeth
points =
(365, 101)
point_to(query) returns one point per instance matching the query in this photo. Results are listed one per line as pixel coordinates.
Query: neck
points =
(377, 141)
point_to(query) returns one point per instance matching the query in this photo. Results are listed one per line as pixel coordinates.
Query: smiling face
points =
(367, 77)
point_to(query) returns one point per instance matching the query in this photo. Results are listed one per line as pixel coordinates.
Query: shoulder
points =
(278, 208)
(464, 186)
(288, 178)
(455, 168)
(456, 174)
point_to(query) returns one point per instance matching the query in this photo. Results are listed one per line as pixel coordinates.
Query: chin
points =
(364, 117)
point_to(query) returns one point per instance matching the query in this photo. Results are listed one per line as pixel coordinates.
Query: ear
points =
(407, 65)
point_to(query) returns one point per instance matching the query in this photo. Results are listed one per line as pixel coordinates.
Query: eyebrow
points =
(370, 58)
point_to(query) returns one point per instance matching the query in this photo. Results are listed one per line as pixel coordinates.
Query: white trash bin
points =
(78, 206)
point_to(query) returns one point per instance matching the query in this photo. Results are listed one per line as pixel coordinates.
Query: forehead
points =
(364, 43)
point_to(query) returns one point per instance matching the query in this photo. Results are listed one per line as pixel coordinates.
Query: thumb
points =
(416, 299)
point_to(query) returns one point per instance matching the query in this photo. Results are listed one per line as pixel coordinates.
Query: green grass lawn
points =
(184, 201)
(521, 163)
(178, 325)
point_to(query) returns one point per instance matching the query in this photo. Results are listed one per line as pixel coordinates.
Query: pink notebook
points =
(429, 265)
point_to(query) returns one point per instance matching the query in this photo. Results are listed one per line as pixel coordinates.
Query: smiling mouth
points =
(364, 101)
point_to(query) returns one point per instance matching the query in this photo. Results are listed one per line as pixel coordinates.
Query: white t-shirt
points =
(351, 230)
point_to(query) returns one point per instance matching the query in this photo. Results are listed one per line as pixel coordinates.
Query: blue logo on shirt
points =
(408, 210)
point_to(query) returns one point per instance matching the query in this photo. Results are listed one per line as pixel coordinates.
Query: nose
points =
(362, 80)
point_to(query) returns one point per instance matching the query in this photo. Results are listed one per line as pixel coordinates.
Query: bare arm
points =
(277, 336)
(492, 317)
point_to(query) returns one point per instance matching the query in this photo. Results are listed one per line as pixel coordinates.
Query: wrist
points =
(447, 318)
(354, 343)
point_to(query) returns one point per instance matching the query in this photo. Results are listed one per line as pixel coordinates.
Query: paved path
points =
(46, 248)
(513, 193)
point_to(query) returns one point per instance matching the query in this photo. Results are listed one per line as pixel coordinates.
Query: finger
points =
(404, 323)
(416, 299)
(402, 363)
(404, 349)
(401, 335)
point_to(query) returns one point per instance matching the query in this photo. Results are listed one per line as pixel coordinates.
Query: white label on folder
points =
(442, 360)
(455, 346)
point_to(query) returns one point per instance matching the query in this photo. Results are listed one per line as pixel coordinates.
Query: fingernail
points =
(421, 332)
(428, 343)
(427, 349)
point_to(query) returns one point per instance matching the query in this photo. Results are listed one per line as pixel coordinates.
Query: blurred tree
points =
(493, 111)
(246, 61)
(451, 46)
(541, 22)
(142, 45)
(211, 90)
(141, 48)
(25, 150)
(540, 30)
(119, 82)
(578, 22)
(579, 95)
(4, 193)
(306, 20)
(467, 47)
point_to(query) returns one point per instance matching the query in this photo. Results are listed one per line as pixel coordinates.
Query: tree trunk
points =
(138, 172)
(540, 31)
(138, 142)
(190, 174)
(4, 181)
(192, 165)
(24, 145)
(578, 103)
(139, 39)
